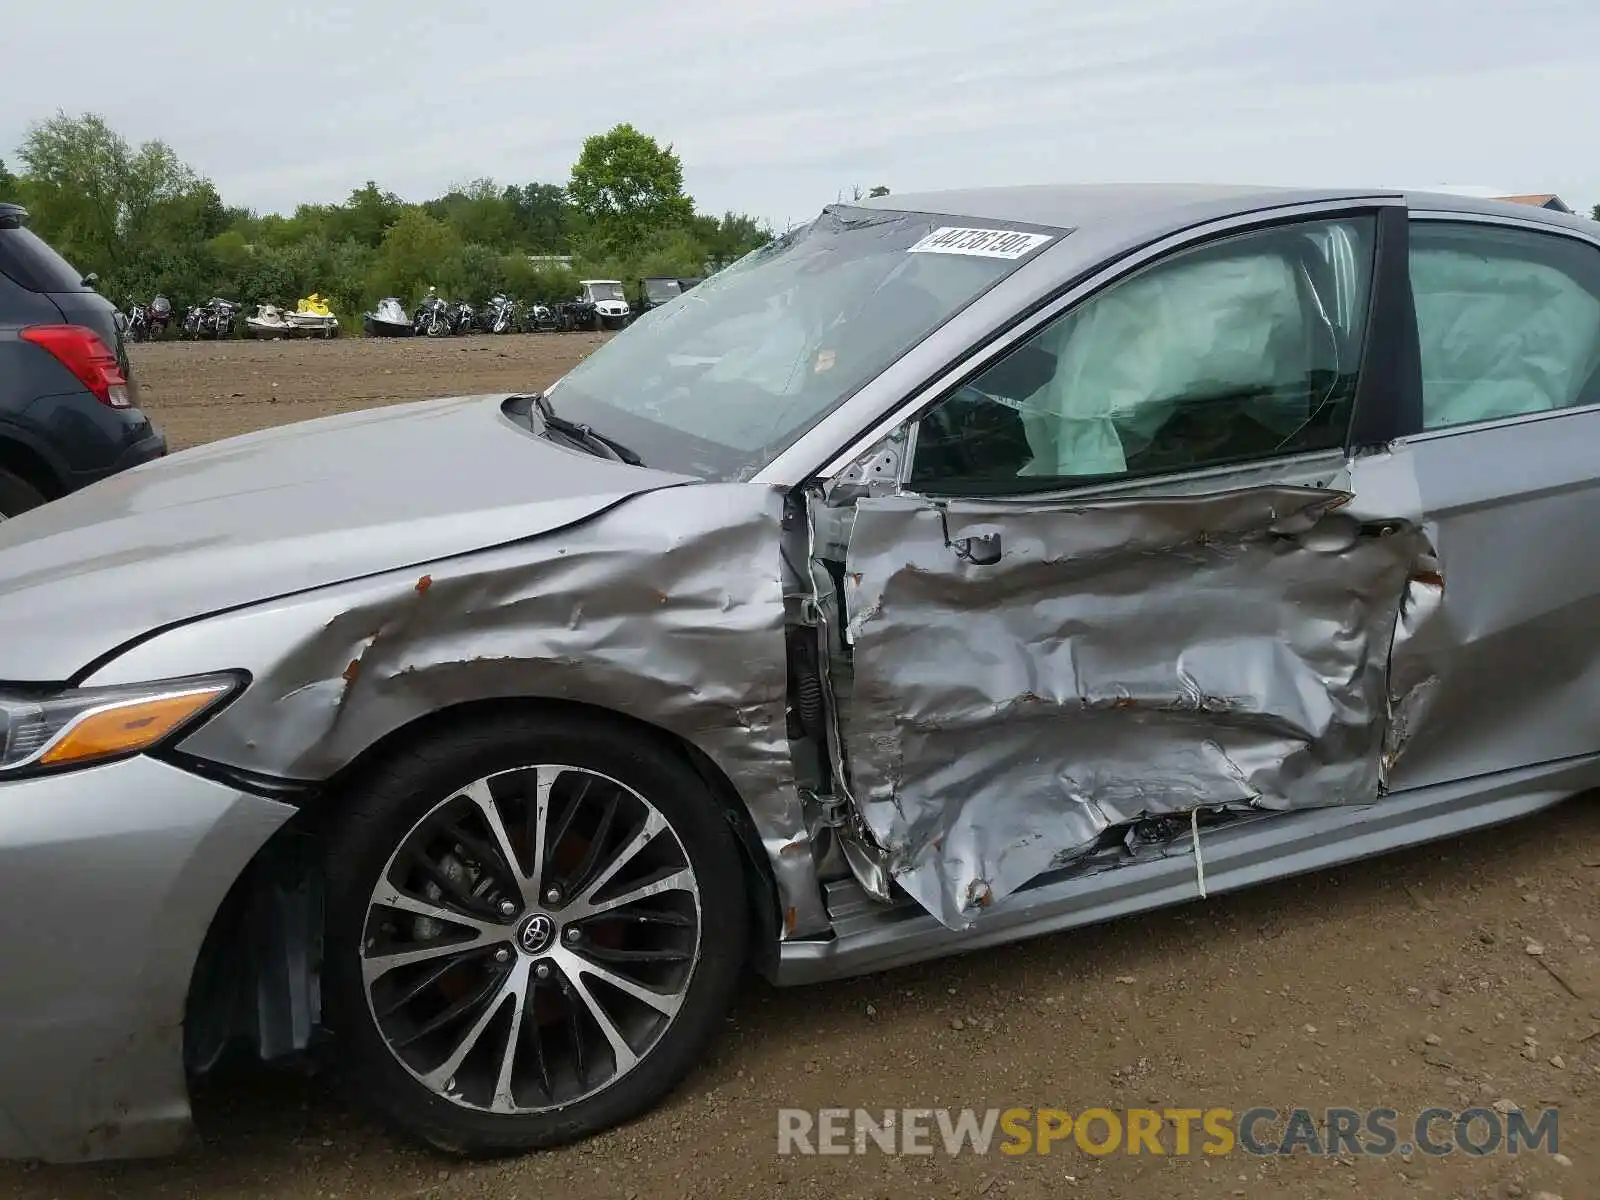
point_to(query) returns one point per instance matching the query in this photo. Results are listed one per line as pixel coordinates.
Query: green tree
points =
(481, 272)
(146, 222)
(187, 218)
(538, 284)
(78, 172)
(368, 214)
(343, 281)
(235, 263)
(155, 179)
(478, 211)
(309, 221)
(268, 275)
(133, 215)
(671, 252)
(626, 184)
(731, 237)
(541, 215)
(1596, 213)
(418, 252)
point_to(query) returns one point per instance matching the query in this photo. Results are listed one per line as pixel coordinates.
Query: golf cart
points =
(610, 302)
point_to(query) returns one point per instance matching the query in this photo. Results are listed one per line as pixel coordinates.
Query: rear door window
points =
(28, 261)
(1508, 320)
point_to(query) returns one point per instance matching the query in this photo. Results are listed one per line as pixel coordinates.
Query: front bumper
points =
(109, 878)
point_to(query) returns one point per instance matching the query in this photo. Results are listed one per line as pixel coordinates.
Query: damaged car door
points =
(1504, 678)
(1122, 581)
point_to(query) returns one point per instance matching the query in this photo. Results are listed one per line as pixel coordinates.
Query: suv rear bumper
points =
(151, 447)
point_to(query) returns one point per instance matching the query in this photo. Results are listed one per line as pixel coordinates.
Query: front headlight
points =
(54, 731)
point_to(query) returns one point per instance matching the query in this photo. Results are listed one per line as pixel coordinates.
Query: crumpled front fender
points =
(667, 608)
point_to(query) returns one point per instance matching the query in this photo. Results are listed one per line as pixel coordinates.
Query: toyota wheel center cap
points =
(536, 934)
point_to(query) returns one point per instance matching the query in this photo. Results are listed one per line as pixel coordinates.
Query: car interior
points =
(1234, 352)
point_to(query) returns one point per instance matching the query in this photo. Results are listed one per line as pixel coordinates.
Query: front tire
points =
(535, 926)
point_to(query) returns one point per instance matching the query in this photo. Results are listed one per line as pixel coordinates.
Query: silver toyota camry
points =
(954, 569)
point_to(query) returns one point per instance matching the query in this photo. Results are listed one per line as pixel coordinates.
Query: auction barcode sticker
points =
(983, 243)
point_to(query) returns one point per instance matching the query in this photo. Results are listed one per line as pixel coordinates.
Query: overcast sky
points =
(775, 108)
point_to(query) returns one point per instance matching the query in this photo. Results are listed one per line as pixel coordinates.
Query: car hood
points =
(281, 511)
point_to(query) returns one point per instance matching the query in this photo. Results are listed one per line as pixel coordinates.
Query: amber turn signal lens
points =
(128, 727)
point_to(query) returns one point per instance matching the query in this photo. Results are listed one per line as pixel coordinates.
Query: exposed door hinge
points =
(831, 810)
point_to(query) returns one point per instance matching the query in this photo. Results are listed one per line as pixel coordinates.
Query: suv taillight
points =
(82, 352)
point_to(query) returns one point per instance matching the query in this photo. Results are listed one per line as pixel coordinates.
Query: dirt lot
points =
(199, 392)
(1402, 983)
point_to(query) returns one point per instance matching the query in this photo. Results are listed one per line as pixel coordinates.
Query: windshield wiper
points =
(585, 436)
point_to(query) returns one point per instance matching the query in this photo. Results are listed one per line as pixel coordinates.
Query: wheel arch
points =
(22, 460)
(761, 891)
(253, 912)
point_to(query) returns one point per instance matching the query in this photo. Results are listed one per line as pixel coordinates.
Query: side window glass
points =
(1508, 321)
(1239, 350)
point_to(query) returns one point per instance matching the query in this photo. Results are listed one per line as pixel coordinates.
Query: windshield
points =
(661, 289)
(605, 291)
(733, 371)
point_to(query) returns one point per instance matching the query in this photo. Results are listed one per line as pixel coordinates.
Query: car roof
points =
(1076, 206)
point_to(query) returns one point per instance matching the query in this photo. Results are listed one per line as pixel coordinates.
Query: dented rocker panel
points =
(873, 937)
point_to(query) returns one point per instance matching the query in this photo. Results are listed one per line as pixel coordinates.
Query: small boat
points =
(312, 317)
(389, 319)
(269, 322)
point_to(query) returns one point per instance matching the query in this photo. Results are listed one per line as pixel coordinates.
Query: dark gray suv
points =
(69, 412)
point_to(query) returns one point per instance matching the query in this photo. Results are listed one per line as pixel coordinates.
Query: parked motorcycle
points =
(539, 318)
(223, 314)
(147, 321)
(433, 317)
(213, 319)
(158, 316)
(138, 323)
(463, 318)
(500, 314)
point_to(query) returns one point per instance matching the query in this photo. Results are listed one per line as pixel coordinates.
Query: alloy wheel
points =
(531, 939)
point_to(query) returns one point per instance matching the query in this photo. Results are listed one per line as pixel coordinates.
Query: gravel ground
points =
(1405, 982)
(201, 391)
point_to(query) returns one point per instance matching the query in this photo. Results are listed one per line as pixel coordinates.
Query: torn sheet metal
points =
(1116, 658)
(1384, 486)
(668, 608)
